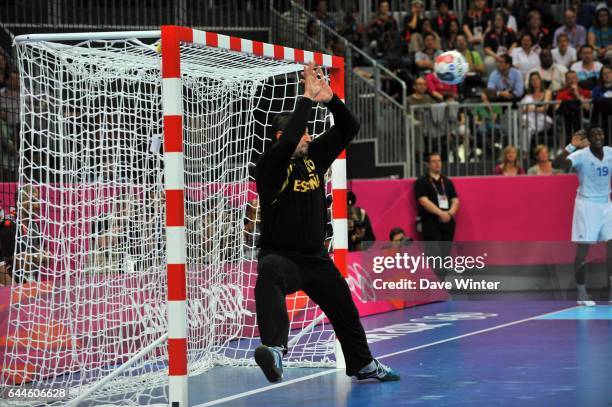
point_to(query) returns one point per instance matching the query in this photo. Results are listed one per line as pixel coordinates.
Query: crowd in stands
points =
(557, 67)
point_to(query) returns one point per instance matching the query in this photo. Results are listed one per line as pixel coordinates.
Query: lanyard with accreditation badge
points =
(442, 198)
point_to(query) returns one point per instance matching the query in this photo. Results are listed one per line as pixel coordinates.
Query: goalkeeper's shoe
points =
(270, 360)
(381, 372)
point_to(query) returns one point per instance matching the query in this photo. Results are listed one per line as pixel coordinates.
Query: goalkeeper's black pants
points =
(280, 274)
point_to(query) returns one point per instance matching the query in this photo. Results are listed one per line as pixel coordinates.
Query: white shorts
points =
(592, 221)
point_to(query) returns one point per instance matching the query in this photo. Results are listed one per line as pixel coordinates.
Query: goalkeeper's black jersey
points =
(292, 191)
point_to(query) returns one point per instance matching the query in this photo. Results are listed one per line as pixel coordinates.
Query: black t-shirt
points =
(494, 40)
(427, 186)
(292, 191)
(480, 20)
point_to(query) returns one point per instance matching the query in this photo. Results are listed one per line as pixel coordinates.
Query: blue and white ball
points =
(451, 67)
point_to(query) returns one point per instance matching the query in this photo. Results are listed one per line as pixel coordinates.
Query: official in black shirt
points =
(438, 206)
(292, 256)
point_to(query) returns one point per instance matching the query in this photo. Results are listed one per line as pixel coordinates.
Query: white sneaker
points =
(587, 303)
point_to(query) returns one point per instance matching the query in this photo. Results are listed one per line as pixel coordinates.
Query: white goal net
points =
(90, 305)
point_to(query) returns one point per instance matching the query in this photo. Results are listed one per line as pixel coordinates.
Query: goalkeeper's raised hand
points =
(315, 84)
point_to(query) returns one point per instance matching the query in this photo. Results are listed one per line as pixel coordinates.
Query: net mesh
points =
(90, 252)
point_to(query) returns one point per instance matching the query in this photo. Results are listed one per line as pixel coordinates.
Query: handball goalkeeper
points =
(292, 256)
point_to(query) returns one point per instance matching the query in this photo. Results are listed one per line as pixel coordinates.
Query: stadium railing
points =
(471, 136)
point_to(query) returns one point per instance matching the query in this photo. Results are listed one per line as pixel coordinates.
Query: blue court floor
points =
(475, 353)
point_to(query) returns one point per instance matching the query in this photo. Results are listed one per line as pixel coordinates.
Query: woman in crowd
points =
(510, 164)
(534, 113)
(476, 22)
(540, 34)
(602, 100)
(525, 58)
(543, 165)
(498, 41)
(450, 35)
(600, 35)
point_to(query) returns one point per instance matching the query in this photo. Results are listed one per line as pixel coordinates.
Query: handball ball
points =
(451, 67)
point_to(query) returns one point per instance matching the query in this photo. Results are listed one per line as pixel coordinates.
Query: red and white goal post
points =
(145, 246)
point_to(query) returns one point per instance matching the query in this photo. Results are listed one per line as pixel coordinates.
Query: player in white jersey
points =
(592, 221)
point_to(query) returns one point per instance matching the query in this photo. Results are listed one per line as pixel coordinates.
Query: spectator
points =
(573, 105)
(104, 249)
(443, 19)
(353, 32)
(500, 40)
(600, 34)
(572, 90)
(477, 21)
(489, 130)
(9, 101)
(602, 100)
(438, 206)
(32, 256)
(564, 54)
(293, 20)
(472, 84)
(525, 57)
(320, 14)
(540, 35)
(8, 231)
(359, 227)
(439, 90)
(8, 152)
(543, 165)
(505, 83)
(541, 6)
(252, 226)
(313, 35)
(509, 19)
(425, 59)
(510, 164)
(473, 57)
(587, 68)
(420, 96)
(416, 42)
(449, 38)
(576, 33)
(388, 47)
(379, 24)
(534, 114)
(553, 75)
(585, 13)
(3, 68)
(413, 21)
(603, 90)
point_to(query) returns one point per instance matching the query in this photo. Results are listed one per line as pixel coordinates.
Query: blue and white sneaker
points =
(585, 300)
(381, 372)
(270, 360)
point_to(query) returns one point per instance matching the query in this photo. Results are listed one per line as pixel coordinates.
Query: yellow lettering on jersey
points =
(310, 165)
(305, 186)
